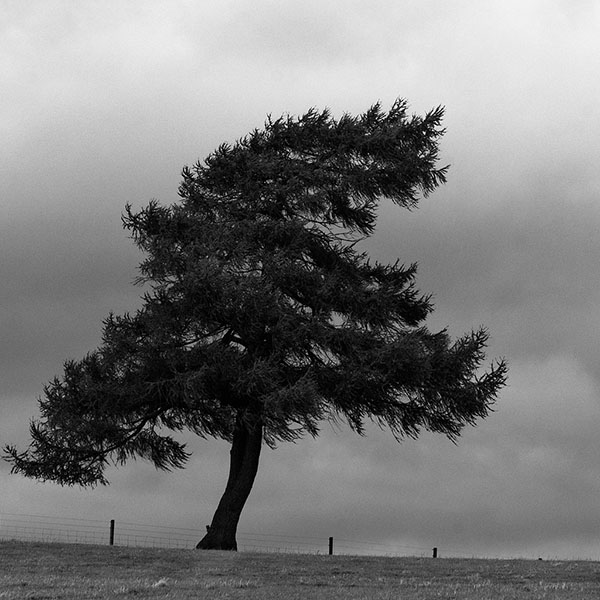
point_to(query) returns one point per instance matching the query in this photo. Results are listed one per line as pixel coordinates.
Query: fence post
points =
(330, 546)
(112, 532)
(435, 553)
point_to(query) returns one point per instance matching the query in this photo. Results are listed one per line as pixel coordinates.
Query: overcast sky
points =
(103, 103)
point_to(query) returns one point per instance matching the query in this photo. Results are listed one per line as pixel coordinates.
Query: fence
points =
(45, 528)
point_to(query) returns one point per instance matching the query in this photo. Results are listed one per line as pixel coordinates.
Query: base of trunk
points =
(216, 541)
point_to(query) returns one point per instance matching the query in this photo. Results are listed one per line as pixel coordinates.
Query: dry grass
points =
(68, 571)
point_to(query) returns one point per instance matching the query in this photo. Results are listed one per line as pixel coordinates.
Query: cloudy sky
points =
(103, 103)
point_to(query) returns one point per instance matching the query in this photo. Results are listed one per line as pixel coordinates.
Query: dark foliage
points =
(263, 312)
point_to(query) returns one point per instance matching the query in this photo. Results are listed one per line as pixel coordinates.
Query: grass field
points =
(52, 571)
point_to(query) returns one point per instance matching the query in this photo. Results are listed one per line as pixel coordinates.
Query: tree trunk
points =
(243, 465)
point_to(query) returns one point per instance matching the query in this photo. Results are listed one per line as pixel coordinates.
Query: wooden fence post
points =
(112, 532)
(330, 546)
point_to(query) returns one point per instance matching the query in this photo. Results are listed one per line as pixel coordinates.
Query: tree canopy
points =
(263, 317)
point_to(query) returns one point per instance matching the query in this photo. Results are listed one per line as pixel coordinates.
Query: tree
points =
(262, 316)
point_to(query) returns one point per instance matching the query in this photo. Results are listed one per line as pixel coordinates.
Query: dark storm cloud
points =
(103, 105)
(55, 293)
(528, 270)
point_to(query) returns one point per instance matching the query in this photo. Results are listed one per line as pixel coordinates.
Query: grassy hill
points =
(65, 571)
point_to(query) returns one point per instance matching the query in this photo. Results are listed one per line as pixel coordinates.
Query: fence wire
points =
(45, 528)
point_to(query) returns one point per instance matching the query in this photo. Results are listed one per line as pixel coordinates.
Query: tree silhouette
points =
(263, 318)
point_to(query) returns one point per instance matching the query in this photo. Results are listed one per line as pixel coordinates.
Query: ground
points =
(69, 571)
